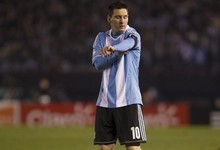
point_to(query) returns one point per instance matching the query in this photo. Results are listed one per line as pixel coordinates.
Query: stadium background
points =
(46, 49)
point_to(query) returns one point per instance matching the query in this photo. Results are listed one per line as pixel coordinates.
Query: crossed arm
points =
(120, 48)
(107, 55)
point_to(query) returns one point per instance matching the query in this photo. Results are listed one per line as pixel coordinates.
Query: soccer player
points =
(119, 105)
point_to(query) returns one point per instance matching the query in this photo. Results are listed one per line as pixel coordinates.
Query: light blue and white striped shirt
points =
(120, 82)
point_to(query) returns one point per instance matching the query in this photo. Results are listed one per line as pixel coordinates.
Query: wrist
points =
(113, 48)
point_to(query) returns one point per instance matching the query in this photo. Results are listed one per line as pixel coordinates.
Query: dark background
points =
(52, 40)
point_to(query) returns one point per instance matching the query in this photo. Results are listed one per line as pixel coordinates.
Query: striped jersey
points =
(120, 73)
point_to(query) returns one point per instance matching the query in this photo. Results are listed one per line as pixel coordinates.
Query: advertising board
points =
(83, 114)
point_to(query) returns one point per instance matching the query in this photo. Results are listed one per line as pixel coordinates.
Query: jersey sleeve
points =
(125, 45)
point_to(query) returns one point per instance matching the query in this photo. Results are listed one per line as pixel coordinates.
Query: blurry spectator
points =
(47, 92)
(43, 94)
(9, 91)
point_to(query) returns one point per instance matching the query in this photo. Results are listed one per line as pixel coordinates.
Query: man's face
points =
(118, 20)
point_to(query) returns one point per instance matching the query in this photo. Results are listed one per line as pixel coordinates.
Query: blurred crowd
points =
(43, 36)
(56, 36)
(180, 36)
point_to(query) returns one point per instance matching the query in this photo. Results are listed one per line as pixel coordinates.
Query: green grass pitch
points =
(81, 138)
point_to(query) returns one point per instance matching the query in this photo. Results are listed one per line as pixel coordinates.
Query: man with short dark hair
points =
(119, 105)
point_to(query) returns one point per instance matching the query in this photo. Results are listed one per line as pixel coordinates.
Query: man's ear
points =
(109, 19)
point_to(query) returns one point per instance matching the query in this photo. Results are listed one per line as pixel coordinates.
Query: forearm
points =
(125, 45)
(101, 63)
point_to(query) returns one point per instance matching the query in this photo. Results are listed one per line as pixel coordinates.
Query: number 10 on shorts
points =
(135, 132)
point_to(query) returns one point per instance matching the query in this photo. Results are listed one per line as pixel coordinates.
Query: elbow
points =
(97, 66)
(101, 63)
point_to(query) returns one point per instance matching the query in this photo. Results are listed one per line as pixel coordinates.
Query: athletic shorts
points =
(124, 123)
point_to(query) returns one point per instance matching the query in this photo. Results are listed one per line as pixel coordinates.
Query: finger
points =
(108, 48)
(103, 53)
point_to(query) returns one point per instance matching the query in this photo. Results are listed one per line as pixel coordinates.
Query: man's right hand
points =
(107, 50)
